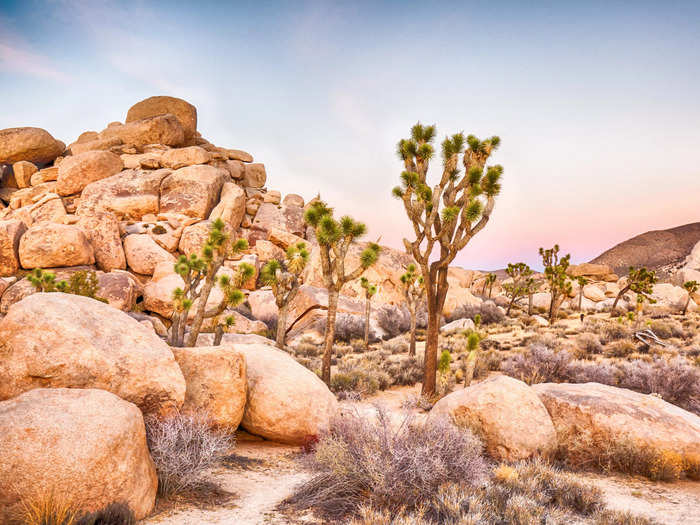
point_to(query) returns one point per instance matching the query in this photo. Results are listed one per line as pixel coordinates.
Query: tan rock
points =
(54, 245)
(86, 447)
(237, 154)
(457, 298)
(611, 414)
(27, 196)
(182, 157)
(97, 144)
(216, 383)
(185, 113)
(143, 253)
(10, 233)
(23, 171)
(235, 168)
(150, 161)
(266, 251)
(506, 413)
(192, 191)
(284, 239)
(102, 231)
(293, 199)
(130, 194)
(589, 270)
(78, 171)
(119, 288)
(62, 340)
(288, 218)
(48, 209)
(231, 207)
(669, 296)
(44, 175)
(194, 237)
(287, 402)
(272, 196)
(254, 175)
(162, 129)
(594, 292)
(34, 145)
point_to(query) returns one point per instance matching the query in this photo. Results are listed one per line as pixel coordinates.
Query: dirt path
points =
(258, 488)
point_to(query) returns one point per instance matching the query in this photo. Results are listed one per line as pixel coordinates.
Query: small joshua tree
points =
(581, 281)
(200, 276)
(370, 291)
(488, 283)
(521, 274)
(640, 281)
(284, 277)
(334, 239)
(555, 273)
(691, 287)
(473, 342)
(447, 215)
(413, 291)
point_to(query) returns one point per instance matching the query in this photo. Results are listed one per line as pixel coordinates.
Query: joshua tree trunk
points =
(619, 296)
(330, 336)
(367, 312)
(218, 334)
(510, 305)
(490, 290)
(412, 344)
(431, 348)
(687, 303)
(174, 330)
(580, 299)
(529, 304)
(201, 309)
(282, 324)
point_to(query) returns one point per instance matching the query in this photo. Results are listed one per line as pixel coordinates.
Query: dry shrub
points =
(588, 344)
(387, 465)
(581, 450)
(348, 327)
(488, 310)
(392, 319)
(113, 514)
(183, 448)
(50, 509)
(362, 378)
(621, 348)
(539, 364)
(618, 517)
(608, 330)
(667, 328)
(406, 370)
(397, 345)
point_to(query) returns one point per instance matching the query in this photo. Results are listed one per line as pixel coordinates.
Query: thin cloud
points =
(15, 59)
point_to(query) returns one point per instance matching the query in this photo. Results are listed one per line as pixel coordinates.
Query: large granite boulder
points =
(607, 413)
(506, 413)
(102, 232)
(11, 232)
(287, 402)
(62, 340)
(143, 253)
(216, 383)
(185, 112)
(161, 129)
(53, 245)
(86, 448)
(77, 171)
(35, 145)
(192, 191)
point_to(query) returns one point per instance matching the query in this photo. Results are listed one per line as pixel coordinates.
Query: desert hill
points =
(660, 250)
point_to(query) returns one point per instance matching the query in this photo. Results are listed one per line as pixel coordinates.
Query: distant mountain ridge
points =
(660, 250)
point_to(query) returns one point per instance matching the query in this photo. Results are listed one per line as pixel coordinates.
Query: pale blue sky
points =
(596, 103)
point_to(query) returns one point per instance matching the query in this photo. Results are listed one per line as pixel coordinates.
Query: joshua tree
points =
(445, 217)
(334, 239)
(413, 291)
(555, 273)
(370, 290)
(284, 277)
(473, 342)
(640, 281)
(582, 281)
(488, 283)
(532, 286)
(200, 276)
(521, 274)
(691, 287)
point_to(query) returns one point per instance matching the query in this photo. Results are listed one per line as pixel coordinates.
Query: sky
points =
(597, 103)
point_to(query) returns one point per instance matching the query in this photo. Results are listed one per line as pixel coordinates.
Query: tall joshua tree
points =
(521, 274)
(334, 239)
(200, 276)
(445, 216)
(581, 281)
(691, 287)
(284, 277)
(413, 291)
(555, 273)
(640, 281)
(370, 291)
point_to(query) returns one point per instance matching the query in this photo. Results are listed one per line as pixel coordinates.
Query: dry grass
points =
(51, 509)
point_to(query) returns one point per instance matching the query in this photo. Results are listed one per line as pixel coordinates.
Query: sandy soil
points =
(274, 473)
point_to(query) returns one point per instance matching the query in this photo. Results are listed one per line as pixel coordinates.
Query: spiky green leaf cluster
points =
(370, 255)
(691, 286)
(370, 289)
